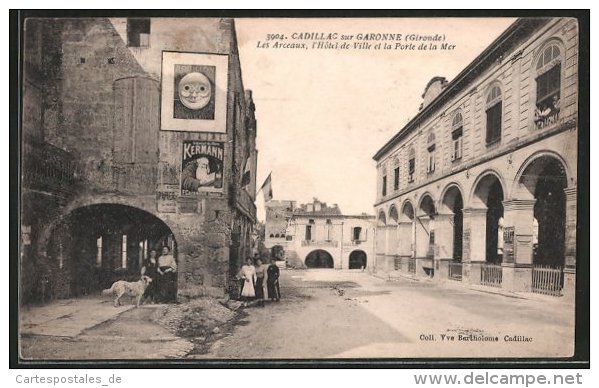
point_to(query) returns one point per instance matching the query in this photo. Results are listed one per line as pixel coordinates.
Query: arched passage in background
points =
(357, 259)
(112, 241)
(319, 259)
(488, 194)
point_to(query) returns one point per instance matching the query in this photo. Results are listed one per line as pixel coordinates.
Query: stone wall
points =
(99, 100)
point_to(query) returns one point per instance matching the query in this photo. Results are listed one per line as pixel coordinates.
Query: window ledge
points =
(493, 143)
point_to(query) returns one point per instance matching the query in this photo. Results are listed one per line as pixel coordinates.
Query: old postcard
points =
(203, 188)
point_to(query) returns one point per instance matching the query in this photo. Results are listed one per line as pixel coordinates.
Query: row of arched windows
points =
(548, 93)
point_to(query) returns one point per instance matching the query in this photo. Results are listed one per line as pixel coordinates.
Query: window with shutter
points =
(548, 86)
(494, 105)
(411, 165)
(384, 186)
(138, 32)
(456, 136)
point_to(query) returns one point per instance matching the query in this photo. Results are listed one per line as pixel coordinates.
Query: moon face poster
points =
(194, 92)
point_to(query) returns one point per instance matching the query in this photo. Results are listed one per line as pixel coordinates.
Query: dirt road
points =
(322, 314)
(347, 314)
(314, 319)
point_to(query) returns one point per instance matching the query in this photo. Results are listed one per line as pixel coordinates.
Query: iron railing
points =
(397, 263)
(491, 275)
(547, 280)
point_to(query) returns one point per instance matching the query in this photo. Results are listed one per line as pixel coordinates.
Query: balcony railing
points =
(321, 243)
(353, 243)
(547, 113)
(46, 167)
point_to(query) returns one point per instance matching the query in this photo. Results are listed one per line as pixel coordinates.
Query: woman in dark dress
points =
(167, 276)
(260, 275)
(150, 269)
(272, 281)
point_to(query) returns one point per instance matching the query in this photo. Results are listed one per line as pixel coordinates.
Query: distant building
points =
(480, 186)
(105, 180)
(320, 236)
(278, 214)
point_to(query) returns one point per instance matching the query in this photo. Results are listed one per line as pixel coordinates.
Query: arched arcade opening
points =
(95, 245)
(545, 179)
(488, 195)
(453, 204)
(319, 259)
(425, 228)
(407, 230)
(357, 259)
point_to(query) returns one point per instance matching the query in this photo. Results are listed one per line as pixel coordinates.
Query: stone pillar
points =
(422, 237)
(404, 236)
(516, 62)
(474, 243)
(392, 247)
(379, 246)
(444, 236)
(569, 287)
(517, 263)
(443, 245)
(422, 245)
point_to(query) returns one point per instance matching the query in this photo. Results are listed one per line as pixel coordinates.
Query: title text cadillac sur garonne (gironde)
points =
(319, 40)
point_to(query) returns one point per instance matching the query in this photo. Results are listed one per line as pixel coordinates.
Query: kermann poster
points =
(201, 167)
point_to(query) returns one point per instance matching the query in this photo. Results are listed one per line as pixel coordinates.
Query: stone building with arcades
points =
(480, 186)
(124, 152)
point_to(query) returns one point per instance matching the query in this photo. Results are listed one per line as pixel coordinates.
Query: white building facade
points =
(481, 185)
(320, 236)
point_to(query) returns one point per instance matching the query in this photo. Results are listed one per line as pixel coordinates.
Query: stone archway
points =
(544, 179)
(452, 205)
(94, 245)
(407, 230)
(425, 227)
(358, 259)
(319, 258)
(486, 219)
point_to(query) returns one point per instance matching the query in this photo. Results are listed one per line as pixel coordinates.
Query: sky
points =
(322, 114)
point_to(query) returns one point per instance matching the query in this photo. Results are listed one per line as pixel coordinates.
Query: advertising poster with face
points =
(202, 167)
(194, 97)
(194, 92)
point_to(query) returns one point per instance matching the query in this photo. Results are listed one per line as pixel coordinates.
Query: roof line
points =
(514, 30)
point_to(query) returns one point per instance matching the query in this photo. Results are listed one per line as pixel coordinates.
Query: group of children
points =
(259, 281)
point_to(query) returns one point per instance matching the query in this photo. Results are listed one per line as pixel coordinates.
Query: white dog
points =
(132, 289)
